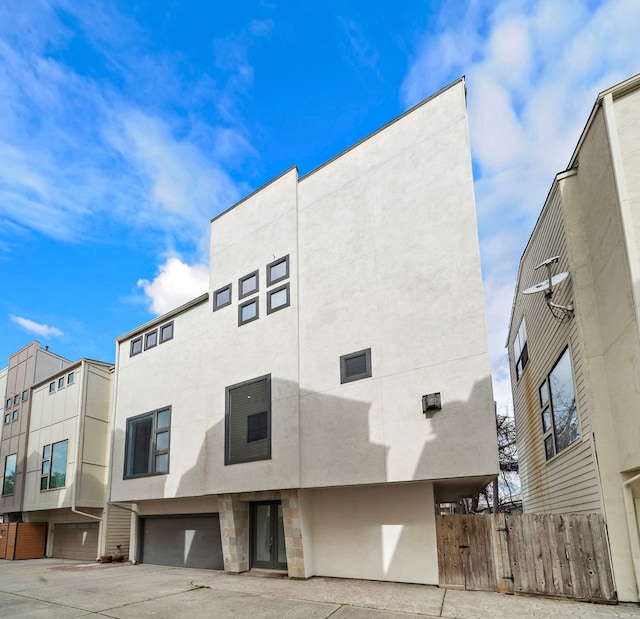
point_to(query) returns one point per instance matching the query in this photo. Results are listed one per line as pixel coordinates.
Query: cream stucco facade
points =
(591, 220)
(371, 258)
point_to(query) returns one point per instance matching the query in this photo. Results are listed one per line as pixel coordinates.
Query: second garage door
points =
(76, 540)
(183, 541)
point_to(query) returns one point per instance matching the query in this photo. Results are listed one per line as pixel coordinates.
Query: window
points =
(166, 332)
(136, 347)
(248, 421)
(25, 395)
(222, 297)
(16, 399)
(560, 424)
(52, 387)
(248, 285)
(9, 403)
(147, 444)
(61, 382)
(151, 339)
(70, 378)
(9, 483)
(7, 418)
(355, 366)
(53, 472)
(14, 416)
(248, 311)
(277, 270)
(520, 352)
(278, 298)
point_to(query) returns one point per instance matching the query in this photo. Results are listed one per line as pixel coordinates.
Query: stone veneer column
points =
(293, 533)
(234, 529)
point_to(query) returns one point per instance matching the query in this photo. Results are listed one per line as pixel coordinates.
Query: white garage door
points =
(76, 540)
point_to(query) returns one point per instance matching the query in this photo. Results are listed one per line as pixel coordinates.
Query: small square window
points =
(355, 366)
(277, 270)
(278, 298)
(61, 382)
(16, 399)
(248, 311)
(222, 297)
(14, 416)
(25, 395)
(7, 418)
(166, 332)
(150, 339)
(52, 387)
(9, 403)
(136, 346)
(248, 285)
(70, 378)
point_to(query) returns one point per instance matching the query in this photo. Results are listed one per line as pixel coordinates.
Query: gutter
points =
(632, 527)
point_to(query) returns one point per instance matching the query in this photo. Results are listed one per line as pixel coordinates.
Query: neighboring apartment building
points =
(310, 411)
(575, 375)
(55, 448)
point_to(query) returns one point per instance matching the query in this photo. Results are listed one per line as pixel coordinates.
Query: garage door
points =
(183, 541)
(76, 540)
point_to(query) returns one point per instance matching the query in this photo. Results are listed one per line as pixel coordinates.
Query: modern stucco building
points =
(333, 385)
(575, 374)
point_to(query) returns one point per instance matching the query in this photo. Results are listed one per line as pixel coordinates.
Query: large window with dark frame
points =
(248, 421)
(147, 444)
(53, 471)
(9, 483)
(520, 350)
(560, 423)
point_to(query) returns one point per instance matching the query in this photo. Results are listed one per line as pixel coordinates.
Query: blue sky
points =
(126, 126)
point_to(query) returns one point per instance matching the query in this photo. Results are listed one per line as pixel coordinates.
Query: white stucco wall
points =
(374, 532)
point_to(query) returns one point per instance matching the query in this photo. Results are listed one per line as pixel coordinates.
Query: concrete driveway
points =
(64, 589)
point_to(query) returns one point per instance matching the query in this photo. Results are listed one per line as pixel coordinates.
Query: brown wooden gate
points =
(23, 540)
(544, 554)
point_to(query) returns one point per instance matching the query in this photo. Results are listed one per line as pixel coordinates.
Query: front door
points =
(267, 536)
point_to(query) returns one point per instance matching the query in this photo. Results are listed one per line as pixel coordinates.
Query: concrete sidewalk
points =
(64, 589)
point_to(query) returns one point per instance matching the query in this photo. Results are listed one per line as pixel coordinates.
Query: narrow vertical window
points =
(520, 350)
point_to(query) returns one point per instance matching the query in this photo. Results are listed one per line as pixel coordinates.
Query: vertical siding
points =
(118, 530)
(569, 481)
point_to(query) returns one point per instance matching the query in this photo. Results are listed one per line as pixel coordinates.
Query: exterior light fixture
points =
(431, 402)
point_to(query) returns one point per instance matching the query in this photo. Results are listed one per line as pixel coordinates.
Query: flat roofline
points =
(171, 314)
(73, 366)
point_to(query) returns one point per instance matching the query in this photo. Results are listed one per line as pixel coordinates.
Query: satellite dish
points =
(542, 286)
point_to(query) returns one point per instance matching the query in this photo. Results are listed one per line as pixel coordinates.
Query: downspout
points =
(76, 475)
(632, 526)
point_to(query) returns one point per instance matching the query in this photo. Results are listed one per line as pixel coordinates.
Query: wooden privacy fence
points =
(544, 554)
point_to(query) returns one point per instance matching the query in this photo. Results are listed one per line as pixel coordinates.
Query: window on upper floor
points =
(7, 419)
(277, 270)
(14, 416)
(166, 332)
(136, 347)
(70, 378)
(248, 285)
(25, 395)
(222, 297)
(52, 386)
(560, 422)
(520, 351)
(355, 366)
(248, 421)
(151, 339)
(61, 382)
(53, 471)
(8, 403)
(278, 298)
(8, 485)
(16, 399)
(147, 444)
(248, 311)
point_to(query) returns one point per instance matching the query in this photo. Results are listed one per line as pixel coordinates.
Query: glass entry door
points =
(267, 536)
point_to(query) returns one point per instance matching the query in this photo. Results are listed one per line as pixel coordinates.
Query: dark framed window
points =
(14, 415)
(278, 298)
(520, 350)
(248, 421)
(278, 270)
(8, 403)
(53, 471)
(147, 444)
(9, 483)
(7, 418)
(16, 399)
(560, 422)
(248, 285)
(151, 339)
(355, 366)
(52, 387)
(166, 332)
(25, 395)
(222, 297)
(70, 378)
(61, 382)
(248, 311)
(136, 347)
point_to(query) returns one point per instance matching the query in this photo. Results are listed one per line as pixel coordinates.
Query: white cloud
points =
(533, 71)
(175, 284)
(36, 327)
